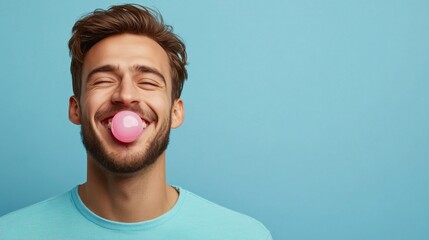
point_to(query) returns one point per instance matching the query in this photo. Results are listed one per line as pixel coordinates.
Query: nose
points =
(126, 93)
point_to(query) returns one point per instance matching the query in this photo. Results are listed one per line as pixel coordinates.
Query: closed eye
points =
(103, 81)
(148, 84)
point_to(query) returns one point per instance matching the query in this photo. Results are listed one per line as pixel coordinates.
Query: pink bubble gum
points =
(127, 126)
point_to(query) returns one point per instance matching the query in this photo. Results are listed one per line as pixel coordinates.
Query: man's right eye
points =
(102, 81)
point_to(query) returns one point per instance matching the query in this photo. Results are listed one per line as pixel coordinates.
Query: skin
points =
(144, 194)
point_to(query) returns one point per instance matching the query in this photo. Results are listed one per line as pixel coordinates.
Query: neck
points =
(139, 197)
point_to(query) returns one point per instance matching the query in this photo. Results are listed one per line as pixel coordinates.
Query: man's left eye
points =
(148, 84)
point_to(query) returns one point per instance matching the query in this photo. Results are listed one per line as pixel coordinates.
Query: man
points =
(125, 58)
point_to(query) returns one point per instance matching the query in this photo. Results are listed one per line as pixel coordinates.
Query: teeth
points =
(109, 123)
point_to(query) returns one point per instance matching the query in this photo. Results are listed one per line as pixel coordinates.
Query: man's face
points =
(126, 72)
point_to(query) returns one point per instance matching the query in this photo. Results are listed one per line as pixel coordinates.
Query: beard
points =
(125, 162)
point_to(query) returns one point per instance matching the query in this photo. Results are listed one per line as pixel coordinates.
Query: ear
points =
(74, 110)
(177, 113)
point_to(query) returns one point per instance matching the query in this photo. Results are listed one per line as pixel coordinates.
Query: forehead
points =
(125, 51)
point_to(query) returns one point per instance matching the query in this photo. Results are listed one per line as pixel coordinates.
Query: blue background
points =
(311, 116)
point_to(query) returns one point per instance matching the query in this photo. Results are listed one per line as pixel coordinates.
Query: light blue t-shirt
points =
(192, 217)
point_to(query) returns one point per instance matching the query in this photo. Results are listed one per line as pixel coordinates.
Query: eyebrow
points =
(104, 68)
(115, 69)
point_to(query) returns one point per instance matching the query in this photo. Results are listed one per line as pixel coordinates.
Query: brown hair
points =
(128, 18)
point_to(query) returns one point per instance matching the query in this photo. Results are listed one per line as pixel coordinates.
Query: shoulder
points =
(233, 224)
(40, 209)
(36, 217)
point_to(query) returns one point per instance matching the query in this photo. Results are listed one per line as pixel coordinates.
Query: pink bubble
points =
(127, 126)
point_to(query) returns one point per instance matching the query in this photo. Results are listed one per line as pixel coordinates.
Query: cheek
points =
(90, 104)
(159, 103)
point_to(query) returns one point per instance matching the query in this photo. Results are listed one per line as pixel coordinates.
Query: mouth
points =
(107, 123)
